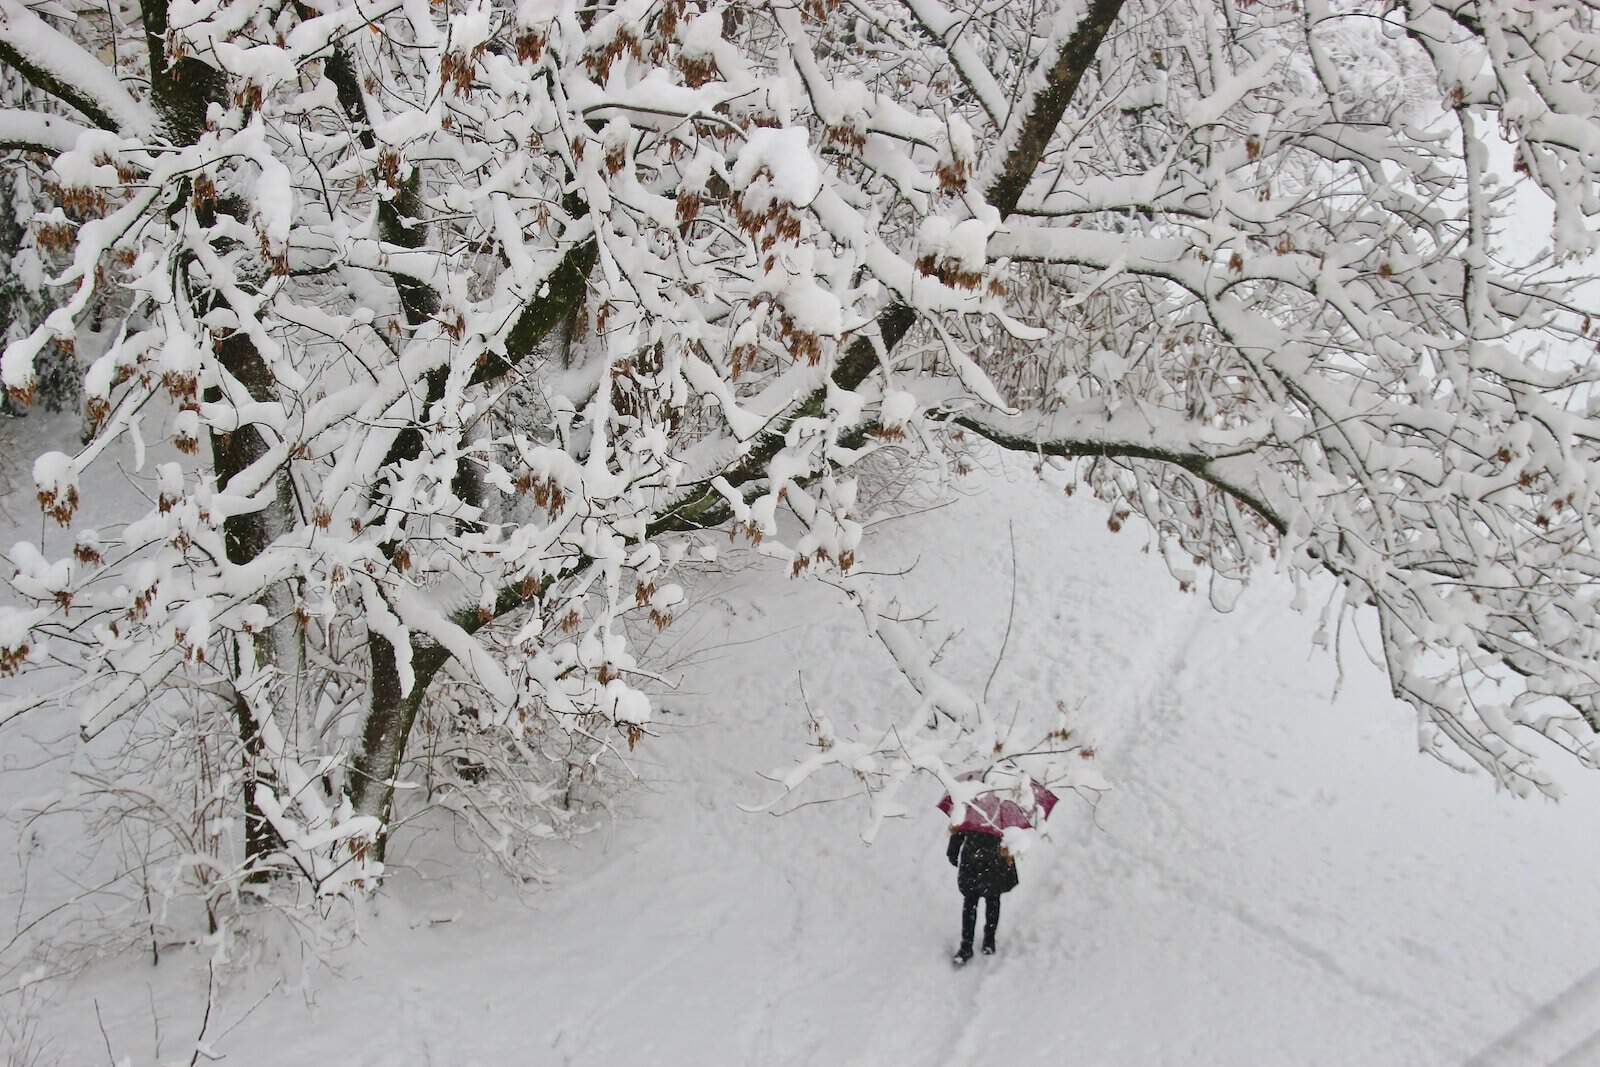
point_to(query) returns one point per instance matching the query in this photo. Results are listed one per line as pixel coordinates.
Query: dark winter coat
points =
(982, 869)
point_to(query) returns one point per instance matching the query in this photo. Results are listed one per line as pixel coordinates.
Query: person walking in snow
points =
(983, 870)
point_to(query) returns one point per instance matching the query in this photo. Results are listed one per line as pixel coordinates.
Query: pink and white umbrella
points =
(993, 812)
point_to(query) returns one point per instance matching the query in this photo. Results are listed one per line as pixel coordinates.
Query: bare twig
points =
(205, 1021)
(901, 573)
(155, 1019)
(262, 999)
(149, 911)
(811, 803)
(1011, 612)
(101, 1023)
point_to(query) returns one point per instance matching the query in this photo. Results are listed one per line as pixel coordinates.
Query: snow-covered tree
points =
(467, 319)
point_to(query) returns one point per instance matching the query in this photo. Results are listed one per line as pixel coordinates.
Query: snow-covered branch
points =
(34, 132)
(58, 65)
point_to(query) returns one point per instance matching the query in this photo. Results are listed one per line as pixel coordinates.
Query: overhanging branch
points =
(1208, 466)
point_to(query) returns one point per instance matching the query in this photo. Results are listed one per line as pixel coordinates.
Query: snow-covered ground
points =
(1276, 878)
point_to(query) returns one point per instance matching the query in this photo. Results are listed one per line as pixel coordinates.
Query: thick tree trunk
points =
(261, 838)
(183, 91)
(245, 537)
(390, 716)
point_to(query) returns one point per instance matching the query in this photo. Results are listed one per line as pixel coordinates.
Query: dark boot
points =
(969, 925)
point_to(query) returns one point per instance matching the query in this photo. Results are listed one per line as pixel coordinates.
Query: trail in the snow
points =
(1160, 717)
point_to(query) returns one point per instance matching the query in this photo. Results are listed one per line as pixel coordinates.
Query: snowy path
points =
(1276, 879)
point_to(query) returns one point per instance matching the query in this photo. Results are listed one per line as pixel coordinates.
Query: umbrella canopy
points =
(992, 812)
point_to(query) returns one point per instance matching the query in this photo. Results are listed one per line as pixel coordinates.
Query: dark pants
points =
(969, 920)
